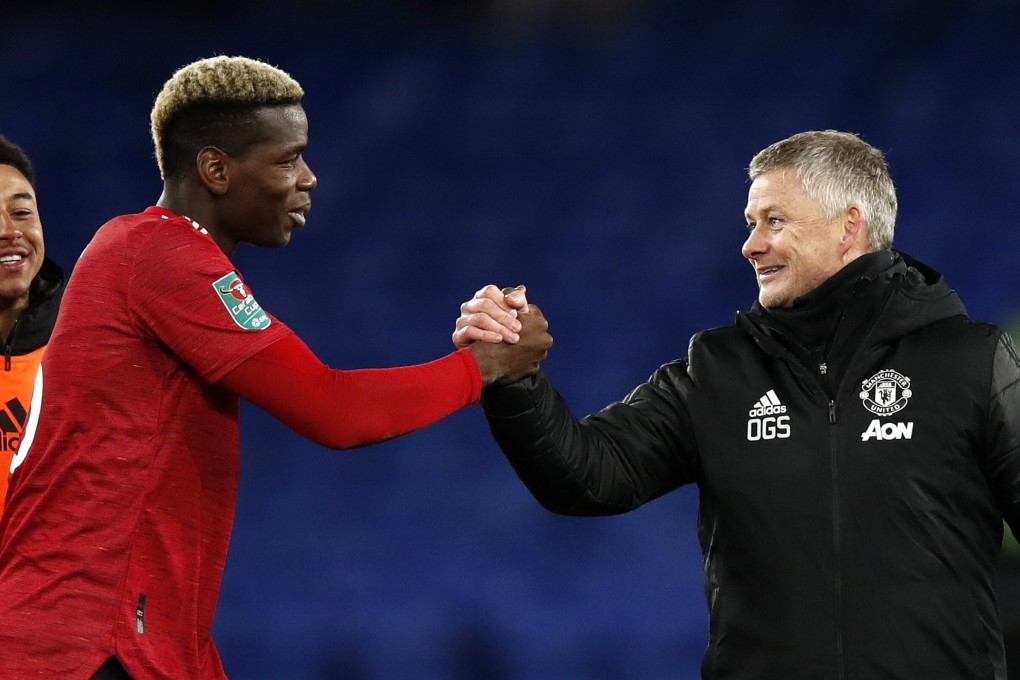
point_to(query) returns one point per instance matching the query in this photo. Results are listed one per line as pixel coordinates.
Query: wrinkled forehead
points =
(775, 188)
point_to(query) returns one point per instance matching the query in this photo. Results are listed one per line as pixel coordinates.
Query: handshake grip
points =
(503, 363)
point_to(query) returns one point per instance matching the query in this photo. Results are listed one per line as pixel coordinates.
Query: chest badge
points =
(886, 392)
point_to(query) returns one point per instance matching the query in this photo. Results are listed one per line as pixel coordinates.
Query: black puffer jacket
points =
(33, 328)
(850, 528)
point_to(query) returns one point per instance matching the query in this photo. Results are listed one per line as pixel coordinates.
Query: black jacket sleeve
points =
(610, 462)
(1001, 462)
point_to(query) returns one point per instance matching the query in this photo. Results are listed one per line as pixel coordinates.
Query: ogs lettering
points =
(769, 427)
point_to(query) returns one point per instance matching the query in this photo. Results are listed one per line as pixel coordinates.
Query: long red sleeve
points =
(346, 409)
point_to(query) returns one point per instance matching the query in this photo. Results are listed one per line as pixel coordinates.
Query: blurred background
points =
(594, 150)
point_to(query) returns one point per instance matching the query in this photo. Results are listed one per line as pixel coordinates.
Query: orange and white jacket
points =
(22, 351)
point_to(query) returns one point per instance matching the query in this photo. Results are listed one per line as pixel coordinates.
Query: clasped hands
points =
(508, 336)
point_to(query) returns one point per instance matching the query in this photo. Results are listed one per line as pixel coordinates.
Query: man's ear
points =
(213, 166)
(855, 231)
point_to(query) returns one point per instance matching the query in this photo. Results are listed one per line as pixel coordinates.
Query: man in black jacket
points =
(855, 439)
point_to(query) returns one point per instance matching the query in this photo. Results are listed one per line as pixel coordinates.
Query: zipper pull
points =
(832, 411)
(823, 368)
(9, 345)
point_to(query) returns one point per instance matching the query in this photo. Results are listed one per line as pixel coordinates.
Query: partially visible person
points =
(30, 288)
(855, 439)
(123, 492)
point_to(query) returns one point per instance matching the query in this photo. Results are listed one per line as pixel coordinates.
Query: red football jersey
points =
(122, 499)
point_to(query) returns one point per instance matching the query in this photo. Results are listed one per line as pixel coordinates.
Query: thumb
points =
(517, 298)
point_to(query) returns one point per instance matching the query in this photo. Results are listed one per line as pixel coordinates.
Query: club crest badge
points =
(886, 392)
(244, 309)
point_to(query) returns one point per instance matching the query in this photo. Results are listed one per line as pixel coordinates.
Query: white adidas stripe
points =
(768, 399)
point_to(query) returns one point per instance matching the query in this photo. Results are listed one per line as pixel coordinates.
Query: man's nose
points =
(307, 179)
(8, 228)
(754, 245)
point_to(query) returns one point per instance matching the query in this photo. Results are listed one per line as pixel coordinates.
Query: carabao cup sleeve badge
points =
(240, 303)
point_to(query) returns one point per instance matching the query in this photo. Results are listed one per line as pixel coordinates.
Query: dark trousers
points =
(111, 670)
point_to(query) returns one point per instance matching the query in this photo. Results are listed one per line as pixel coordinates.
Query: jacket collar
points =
(888, 301)
(34, 326)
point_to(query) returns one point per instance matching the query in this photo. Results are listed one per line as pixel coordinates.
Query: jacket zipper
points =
(837, 575)
(823, 369)
(9, 346)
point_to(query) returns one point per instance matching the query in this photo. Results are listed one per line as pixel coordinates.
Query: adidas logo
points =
(767, 419)
(12, 420)
(768, 405)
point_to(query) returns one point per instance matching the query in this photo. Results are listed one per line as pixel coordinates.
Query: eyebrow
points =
(767, 207)
(23, 194)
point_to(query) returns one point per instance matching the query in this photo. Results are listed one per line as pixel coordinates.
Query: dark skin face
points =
(259, 197)
(21, 244)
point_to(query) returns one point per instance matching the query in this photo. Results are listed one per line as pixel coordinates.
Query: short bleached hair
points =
(211, 102)
(838, 169)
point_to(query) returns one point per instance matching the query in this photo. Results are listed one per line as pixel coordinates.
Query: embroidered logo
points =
(243, 308)
(767, 419)
(886, 392)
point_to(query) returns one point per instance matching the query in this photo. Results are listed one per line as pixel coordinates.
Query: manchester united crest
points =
(886, 392)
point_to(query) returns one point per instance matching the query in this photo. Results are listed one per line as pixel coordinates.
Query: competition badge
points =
(244, 309)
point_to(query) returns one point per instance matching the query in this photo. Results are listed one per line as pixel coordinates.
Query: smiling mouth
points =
(767, 271)
(11, 259)
(299, 214)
